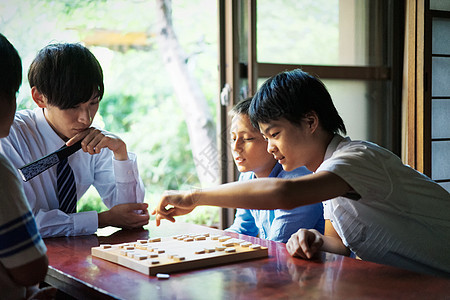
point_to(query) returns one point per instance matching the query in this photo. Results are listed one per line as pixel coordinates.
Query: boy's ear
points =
(38, 97)
(312, 120)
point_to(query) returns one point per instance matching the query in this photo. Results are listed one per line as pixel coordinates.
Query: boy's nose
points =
(270, 147)
(85, 117)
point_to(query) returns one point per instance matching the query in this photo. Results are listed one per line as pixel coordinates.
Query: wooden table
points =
(74, 271)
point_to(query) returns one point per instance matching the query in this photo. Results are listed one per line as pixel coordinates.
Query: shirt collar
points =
(276, 170)
(332, 146)
(52, 138)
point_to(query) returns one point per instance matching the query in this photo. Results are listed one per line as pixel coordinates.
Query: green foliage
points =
(118, 120)
(91, 201)
(298, 31)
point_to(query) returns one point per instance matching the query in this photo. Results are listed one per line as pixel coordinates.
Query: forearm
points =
(334, 245)
(119, 182)
(266, 193)
(104, 219)
(121, 153)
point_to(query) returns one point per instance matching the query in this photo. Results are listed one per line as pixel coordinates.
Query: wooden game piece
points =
(140, 256)
(178, 258)
(199, 251)
(142, 241)
(153, 255)
(224, 238)
(215, 237)
(228, 244)
(210, 250)
(162, 276)
(105, 246)
(189, 239)
(220, 248)
(154, 240)
(246, 244)
(159, 251)
(200, 238)
(230, 249)
(154, 261)
(255, 246)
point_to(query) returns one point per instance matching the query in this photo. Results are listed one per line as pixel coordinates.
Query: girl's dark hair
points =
(66, 74)
(10, 69)
(292, 95)
(241, 108)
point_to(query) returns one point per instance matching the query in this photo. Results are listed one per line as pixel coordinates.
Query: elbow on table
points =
(30, 273)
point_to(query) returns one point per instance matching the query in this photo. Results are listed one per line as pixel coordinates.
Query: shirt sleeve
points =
(287, 222)
(122, 183)
(244, 223)
(57, 223)
(362, 168)
(20, 241)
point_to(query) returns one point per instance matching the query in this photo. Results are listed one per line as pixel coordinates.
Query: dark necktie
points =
(67, 191)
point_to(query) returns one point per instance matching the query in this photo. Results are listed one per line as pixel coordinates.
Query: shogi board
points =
(179, 253)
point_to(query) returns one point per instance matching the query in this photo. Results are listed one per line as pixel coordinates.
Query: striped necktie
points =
(67, 191)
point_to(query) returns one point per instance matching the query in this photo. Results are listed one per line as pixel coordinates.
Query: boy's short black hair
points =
(66, 74)
(10, 69)
(292, 95)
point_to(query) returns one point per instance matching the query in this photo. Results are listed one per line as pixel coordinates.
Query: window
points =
(355, 47)
(428, 101)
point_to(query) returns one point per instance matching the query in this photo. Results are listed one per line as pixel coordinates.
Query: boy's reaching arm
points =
(264, 193)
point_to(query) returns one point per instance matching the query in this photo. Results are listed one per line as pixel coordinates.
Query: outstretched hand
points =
(305, 243)
(127, 215)
(174, 203)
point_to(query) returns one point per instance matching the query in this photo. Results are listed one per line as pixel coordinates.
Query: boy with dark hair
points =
(248, 148)
(379, 208)
(66, 83)
(23, 261)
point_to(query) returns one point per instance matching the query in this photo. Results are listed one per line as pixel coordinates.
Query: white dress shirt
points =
(31, 138)
(396, 216)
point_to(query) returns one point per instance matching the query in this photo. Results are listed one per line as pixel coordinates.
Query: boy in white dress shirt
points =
(66, 83)
(379, 208)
